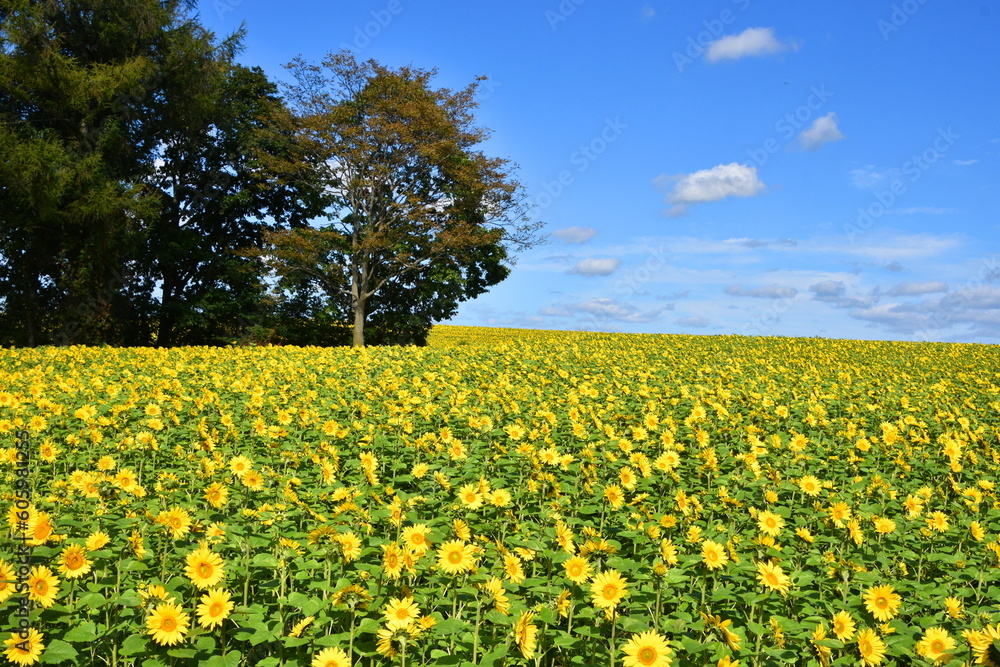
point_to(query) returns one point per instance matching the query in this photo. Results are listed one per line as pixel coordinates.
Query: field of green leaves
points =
(502, 497)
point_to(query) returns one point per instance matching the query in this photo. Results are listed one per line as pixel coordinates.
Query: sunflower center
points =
(881, 602)
(73, 561)
(215, 609)
(646, 655)
(610, 592)
(41, 587)
(402, 613)
(455, 557)
(168, 625)
(937, 646)
(204, 569)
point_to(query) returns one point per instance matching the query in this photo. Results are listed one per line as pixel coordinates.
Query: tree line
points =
(153, 191)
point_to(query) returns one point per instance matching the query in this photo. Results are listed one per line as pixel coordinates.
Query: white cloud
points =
(708, 185)
(868, 176)
(612, 309)
(926, 210)
(913, 289)
(750, 42)
(696, 321)
(768, 292)
(965, 163)
(575, 234)
(594, 266)
(823, 130)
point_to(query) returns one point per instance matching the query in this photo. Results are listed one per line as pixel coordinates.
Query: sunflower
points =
(871, 647)
(882, 601)
(252, 480)
(854, 528)
(43, 586)
(392, 560)
(204, 567)
(840, 513)
(953, 606)
(843, 626)
(400, 613)
(810, 485)
(331, 657)
(495, 587)
(73, 562)
(647, 649)
(214, 608)
(526, 634)
(936, 645)
(976, 531)
(25, 651)
(240, 465)
(938, 521)
(470, 497)
(167, 624)
(96, 540)
(773, 578)
(982, 644)
(500, 497)
(456, 556)
(577, 569)
(416, 538)
(884, 525)
(608, 589)
(7, 580)
(350, 546)
(512, 566)
(770, 523)
(614, 495)
(176, 520)
(217, 495)
(713, 554)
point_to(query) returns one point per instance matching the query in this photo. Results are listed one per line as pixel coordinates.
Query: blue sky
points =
(778, 168)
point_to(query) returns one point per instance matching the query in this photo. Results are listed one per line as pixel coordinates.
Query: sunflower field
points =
(502, 497)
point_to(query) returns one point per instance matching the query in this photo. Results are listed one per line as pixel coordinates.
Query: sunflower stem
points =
(614, 615)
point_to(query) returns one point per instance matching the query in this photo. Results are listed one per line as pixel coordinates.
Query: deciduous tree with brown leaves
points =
(415, 217)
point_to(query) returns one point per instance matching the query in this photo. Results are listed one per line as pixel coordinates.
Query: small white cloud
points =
(965, 163)
(750, 42)
(648, 12)
(868, 176)
(925, 210)
(823, 130)
(708, 185)
(697, 321)
(611, 309)
(575, 234)
(769, 292)
(594, 266)
(913, 289)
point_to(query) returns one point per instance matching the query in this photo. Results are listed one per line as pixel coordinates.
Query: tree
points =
(418, 218)
(214, 197)
(128, 174)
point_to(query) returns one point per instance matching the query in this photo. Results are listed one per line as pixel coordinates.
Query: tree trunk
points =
(359, 322)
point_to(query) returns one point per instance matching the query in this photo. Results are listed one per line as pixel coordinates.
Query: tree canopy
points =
(417, 217)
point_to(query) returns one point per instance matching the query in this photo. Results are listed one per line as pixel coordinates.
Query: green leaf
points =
(182, 653)
(264, 560)
(232, 659)
(134, 644)
(57, 652)
(85, 632)
(92, 600)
